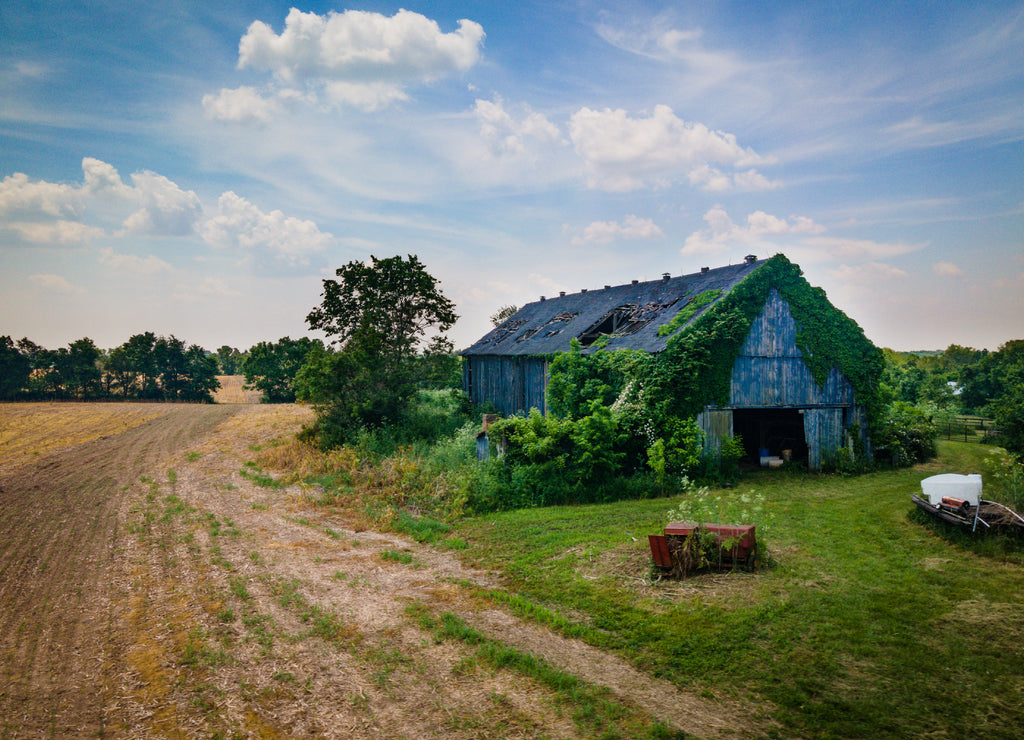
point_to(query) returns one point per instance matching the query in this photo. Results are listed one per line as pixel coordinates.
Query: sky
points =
(198, 168)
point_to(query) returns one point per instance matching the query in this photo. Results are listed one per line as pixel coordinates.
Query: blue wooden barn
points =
(777, 401)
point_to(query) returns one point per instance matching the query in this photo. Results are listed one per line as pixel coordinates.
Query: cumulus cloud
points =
(632, 227)
(132, 264)
(166, 208)
(947, 269)
(54, 283)
(57, 233)
(103, 178)
(64, 214)
(216, 288)
(869, 273)
(624, 153)
(21, 197)
(723, 234)
(241, 225)
(356, 58)
(506, 135)
(836, 248)
(240, 105)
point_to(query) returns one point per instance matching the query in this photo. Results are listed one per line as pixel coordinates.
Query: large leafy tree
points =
(271, 367)
(377, 314)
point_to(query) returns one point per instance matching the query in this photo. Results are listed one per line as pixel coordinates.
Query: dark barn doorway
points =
(774, 430)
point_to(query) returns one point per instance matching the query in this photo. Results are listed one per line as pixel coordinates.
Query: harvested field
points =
(154, 584)
(232, 390)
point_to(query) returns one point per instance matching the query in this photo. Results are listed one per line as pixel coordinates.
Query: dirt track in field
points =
(150, 588)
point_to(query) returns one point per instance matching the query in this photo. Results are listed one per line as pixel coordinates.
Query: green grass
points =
(594, 710)
(868, 622)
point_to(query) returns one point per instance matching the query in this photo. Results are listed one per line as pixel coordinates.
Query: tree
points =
(377, 314)
(79, 369)
(133, 366)
(271, 367)
(200, 375)
(439, 366)
(230, 360)
(15, 369)
(503, 314)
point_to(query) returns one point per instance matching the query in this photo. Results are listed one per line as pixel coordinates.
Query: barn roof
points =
(628, 315)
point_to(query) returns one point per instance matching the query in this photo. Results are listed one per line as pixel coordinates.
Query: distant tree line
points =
(146, 367)
(153, 368)
(963, 380)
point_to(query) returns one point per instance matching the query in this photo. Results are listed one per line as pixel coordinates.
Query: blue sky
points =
(198, 168)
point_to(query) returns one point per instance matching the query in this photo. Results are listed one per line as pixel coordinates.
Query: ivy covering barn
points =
(748, 354)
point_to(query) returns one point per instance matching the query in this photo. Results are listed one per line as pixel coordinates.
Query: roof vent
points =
(561, 293)
(705, 270)
(636, 282)
(665, 276)
(607, 287)
(583, 290)
(750, 259)
(542, 299)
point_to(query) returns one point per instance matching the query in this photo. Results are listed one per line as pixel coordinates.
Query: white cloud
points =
(840, 248)
(241, 225)
(947, 269)
(57, 233)
(103, 178)
(359, 58)
(632, 227)
(240, 105)
(55, 284)
(21, 197)
(217, 288)
(166, 210)
(867, 274)
(33, 70)
(723, 234)
(544, 281)
(132, 264)
(624, 153)
(506, 135)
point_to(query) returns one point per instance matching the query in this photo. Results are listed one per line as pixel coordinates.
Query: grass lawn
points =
(867, 622)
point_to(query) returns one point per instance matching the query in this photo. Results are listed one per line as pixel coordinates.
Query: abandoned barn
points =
(787, 390)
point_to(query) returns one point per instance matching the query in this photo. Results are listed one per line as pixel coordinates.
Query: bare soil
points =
(153, 585)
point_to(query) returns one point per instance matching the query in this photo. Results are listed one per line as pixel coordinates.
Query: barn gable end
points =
(775, 404)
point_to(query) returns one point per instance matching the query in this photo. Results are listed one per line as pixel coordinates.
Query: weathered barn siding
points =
(770, 373)
(824, 430)
(770, 369)
(716, 424)
(512, 383)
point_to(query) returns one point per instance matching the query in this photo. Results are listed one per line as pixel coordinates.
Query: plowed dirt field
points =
(153, 585)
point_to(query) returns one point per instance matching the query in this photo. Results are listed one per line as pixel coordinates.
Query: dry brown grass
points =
(28, 430)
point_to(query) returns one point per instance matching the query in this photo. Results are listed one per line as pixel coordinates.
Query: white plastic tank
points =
(966, 487)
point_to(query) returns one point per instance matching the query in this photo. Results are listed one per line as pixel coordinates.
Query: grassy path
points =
(865, 624)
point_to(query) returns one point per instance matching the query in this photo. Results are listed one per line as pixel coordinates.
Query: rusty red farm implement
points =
(689, 546)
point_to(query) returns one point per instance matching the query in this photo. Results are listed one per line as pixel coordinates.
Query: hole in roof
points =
(623, 320)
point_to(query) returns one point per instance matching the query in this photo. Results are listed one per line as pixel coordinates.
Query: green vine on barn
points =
(695, 369)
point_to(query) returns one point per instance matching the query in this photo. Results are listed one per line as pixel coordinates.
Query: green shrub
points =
(906, 436)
